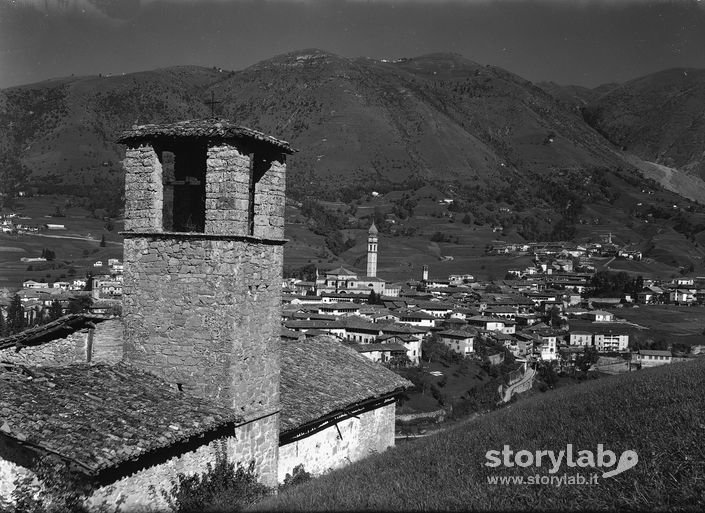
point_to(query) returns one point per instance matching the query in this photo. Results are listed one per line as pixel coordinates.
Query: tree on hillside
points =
(89, 282)
(305, 273)
(3, 326)
(80, 304)
(15, 316)
(55, 310)
(420, 378)
(585, 360)
(102, 241)
(547, 373)
(493, 288)
(611, 284)
(13, 178)
(554, 317)
(48, 254)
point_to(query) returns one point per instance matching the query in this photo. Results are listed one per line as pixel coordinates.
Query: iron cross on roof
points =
(212, 104)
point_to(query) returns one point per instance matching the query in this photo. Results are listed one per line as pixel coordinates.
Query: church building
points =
(344, 281)
(199, 365)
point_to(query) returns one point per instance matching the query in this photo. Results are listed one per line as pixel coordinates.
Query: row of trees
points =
(615, 284)
(16, 321)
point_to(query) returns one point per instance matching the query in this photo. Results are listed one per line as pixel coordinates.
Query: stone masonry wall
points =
(372, 432)
(227, 190)
(141, 491)
(270, 202)
(108, 341)
(144, 194)
(205, 313)
(106, 348)
(251, 441)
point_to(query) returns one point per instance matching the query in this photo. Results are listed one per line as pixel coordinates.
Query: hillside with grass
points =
(658, 413)
(445, 154)
(355, 121)
(657, 117)
(59, 135)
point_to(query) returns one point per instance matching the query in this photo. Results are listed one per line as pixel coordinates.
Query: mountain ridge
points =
(509, 154)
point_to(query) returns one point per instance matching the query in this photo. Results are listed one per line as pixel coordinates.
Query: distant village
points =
(540, 314)
(18, 225)
(99, 293)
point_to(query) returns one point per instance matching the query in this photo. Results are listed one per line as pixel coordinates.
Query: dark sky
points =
(583, 42)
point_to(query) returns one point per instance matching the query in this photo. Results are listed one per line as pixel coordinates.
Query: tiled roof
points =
(434, 305)
(485, 319)
(402, 338)
(209, 128)
(368, 348)
(357, 323)
(99, 416)
(415, 314)
(321, 376)
(61, 327)
(654, 352)
(395, 329)
(313, 324)
(338, 306)
(456, 334)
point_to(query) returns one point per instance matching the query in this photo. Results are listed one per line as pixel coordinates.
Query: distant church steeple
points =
(372, 251)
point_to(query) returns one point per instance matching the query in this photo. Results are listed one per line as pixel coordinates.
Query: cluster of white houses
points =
(105, 292)
(459, 311)
(397, 326)
(393, 331)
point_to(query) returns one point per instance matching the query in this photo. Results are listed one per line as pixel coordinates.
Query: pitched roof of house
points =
(654, 352)
(312, 324)
(61, 327)
(402, 338)
(397, 329)
(338, 306)
(600, 312)
(99, 416)
(415, 314)
(210, 128)
(456, 334)
(368, 348)
(321, 376)
(358, 323)
(486, 319)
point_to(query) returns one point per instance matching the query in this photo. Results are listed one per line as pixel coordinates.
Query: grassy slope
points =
(659, 413)
(656, 117)
(683, 324)
(82, 234)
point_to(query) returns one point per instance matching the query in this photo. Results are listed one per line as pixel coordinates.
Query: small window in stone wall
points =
(184, 194)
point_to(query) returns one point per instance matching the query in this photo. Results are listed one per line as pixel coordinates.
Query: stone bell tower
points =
(372, 234)
(204, 235)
